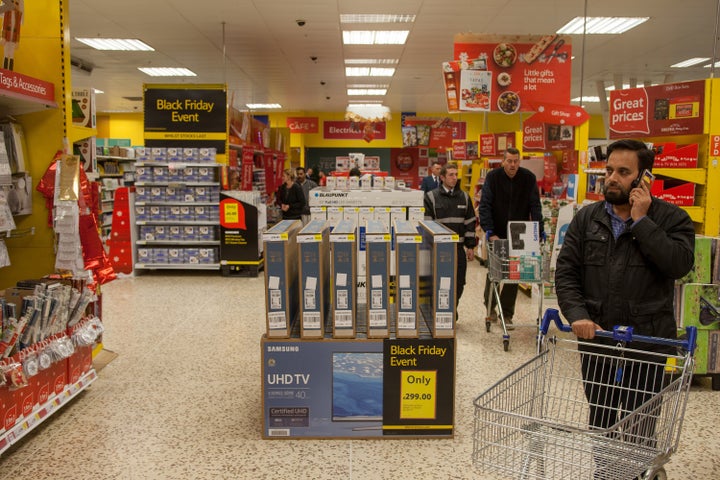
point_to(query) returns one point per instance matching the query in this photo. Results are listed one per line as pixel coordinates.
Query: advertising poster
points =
(507, 73)
(303, 124)
(673, 109)
(345, 130)
(238, 229)
(404, 165)
(185, 116)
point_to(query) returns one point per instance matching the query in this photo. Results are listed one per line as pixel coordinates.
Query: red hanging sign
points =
(558, 114)
(247, 165)
(487, 144)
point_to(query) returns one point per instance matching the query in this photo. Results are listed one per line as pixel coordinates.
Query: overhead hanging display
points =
(507, 73)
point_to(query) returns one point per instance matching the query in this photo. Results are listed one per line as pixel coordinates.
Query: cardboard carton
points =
(281, 278)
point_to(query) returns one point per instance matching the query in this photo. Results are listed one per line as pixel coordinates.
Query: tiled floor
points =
(182, 400)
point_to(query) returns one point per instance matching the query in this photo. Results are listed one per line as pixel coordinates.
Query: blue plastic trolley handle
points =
(623, 334)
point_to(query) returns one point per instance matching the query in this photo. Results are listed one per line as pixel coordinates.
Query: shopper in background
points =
(322, 179)
(508, 193)
(306, 185)
(290, 197)
(432, 181)
(355, 172)
(312, 175)
(618, 266)
(450, 205)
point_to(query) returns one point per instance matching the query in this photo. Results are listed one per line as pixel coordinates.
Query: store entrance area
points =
(183, 397)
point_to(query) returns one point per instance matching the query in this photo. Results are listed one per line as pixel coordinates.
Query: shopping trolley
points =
(533, 423)
(526, 269)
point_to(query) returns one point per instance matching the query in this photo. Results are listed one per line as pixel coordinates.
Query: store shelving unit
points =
(177, 218)
(114, 172)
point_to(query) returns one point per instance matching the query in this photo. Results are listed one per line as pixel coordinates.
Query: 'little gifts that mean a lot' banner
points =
(507, 73)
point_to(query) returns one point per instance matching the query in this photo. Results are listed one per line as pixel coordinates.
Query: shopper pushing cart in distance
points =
(617, 266)
(449, 205)
(508, 193)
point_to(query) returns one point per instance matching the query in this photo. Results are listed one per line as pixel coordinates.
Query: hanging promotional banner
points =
(558, 114)
(533, 135)
(507, 73)
(404, 164)
(441, 137)
(459, 130)
(344, 130)
(547, 137)
(673, 109)
(487, 144)
(185, 116)
(303, 124)
(247, 165)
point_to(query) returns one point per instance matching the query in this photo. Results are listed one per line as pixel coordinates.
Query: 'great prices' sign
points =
(672, 109)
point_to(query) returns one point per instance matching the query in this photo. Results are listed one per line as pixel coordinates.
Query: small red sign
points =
(487, 144)
(441, 137)
(15, 84)
(459, 130)
(459, 151)
(629, 111)
(559, 114)
(533, 135)
(303, 124)
(334, 130)
(715, 145)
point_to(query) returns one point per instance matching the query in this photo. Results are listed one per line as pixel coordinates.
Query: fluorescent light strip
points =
(375, 18)
(263, 106)
(369, 72)
(167, 72)
(97, 91)
(690, 62)
(367, 91)
(366, 85)
(371, 61)
(587, 99)
(717, 64)
(601, 25)
(375, 37)
(119, 44)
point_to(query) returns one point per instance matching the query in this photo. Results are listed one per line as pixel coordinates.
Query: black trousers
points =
(508, 294)
(460, 274)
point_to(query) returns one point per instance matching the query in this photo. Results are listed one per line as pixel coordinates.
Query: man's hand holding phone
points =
(640, 198)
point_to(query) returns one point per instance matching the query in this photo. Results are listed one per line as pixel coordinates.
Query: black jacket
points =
(294, 197)
(455, 211)
(628, 281)
(504, 199)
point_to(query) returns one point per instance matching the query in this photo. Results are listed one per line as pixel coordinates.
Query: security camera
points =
(301, 23)
(322, 82)
(327, 98)
(313, 58)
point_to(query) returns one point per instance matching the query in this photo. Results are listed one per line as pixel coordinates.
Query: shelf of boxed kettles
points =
(49, 330)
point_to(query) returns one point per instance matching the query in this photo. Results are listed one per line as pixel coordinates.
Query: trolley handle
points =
(623, 333)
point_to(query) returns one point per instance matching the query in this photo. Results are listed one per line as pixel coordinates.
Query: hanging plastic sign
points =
(558, 114)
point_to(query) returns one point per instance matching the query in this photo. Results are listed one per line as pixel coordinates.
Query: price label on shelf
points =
(418, 391)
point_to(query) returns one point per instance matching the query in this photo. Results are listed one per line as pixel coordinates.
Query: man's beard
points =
(616, 197)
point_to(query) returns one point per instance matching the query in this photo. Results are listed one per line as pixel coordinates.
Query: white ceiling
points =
(268, 56)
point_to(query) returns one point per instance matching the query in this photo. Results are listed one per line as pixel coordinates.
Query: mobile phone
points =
(646, 176)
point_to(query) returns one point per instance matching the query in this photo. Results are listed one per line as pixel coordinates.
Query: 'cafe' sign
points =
(303, 124)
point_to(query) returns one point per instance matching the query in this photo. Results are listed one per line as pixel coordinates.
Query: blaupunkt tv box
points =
(407, 253)
(281, 278)
(377, 249)
(314, 254)
(440, 245)
(343, 271)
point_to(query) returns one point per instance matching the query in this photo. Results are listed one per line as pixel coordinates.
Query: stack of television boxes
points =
(313, 274)
(178, 177)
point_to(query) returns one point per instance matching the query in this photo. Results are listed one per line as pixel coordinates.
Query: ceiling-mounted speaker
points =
(81, 65)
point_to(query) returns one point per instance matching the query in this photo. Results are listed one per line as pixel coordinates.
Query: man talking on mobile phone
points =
(618, 266)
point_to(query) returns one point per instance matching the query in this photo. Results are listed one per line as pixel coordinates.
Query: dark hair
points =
(355, 172)
(511, 151)
(646, 157)
(299, 169)
(446, 167)
(436, 162)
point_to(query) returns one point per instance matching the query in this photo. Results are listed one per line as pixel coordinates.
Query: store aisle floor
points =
(182, 400)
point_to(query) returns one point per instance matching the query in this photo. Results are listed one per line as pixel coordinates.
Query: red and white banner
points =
(673, 109)
(558, 114)
(533, 135)
(487, 144)
(17, 85)
(511, 72)
(247, 165)
(344, 130)
(303, 124)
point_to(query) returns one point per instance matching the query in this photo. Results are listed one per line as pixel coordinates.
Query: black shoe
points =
(509, 324)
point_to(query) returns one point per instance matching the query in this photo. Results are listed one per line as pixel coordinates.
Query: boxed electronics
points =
(439, 248)
(343, 248)
(281, 278)
(314, 253)
(407, 301)
(377, 244)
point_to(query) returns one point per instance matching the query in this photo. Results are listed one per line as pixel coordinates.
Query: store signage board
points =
(559, 114)
(546, 136)
(303, 124)
(344, 130)
(508, 73)
(672, 109)
(185, 116)
(24, 87)
(487, 144)
(358, 388)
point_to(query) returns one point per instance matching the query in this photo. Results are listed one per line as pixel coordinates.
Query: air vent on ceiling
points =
(133, 99)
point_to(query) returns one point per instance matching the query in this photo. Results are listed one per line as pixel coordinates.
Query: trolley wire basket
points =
(520, 269)
(533, 423)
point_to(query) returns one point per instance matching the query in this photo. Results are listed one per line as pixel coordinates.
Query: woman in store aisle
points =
(290, 197)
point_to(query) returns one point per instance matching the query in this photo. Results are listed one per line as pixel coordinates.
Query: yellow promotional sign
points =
(418, 392)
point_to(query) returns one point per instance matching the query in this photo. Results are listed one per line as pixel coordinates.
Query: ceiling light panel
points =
(369, 72)
(119, 44)
(366, 91)
(717, 64)
(167, 72)
(375, 37)
(375, 18)
(371, 61)
(601, 25)
(690, 62)
(263, 106)
(367, 85)
(589, 99)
